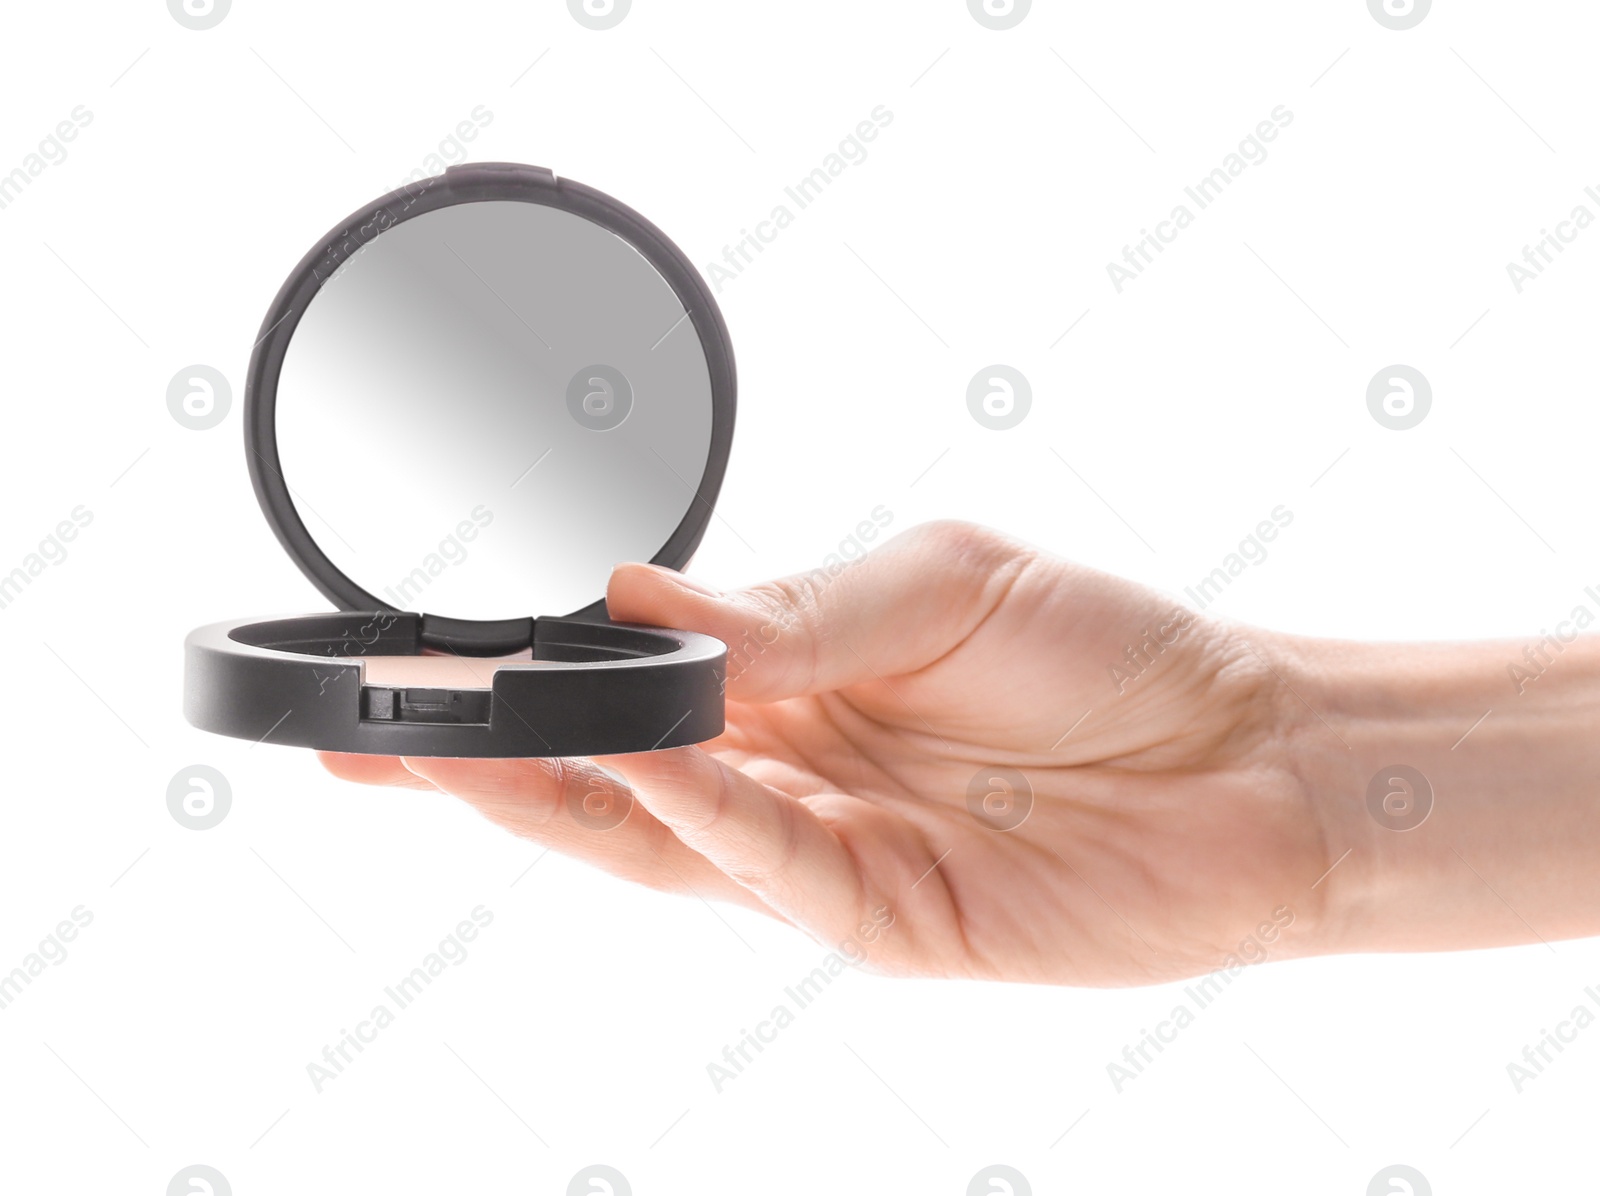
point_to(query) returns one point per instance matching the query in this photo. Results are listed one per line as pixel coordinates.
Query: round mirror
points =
(477, 401)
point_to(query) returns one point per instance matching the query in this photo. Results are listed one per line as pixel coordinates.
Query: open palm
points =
(958, 757)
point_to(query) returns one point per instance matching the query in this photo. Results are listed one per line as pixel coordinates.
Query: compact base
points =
(590, 688)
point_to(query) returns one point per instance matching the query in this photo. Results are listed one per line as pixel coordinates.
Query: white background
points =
(977, 230)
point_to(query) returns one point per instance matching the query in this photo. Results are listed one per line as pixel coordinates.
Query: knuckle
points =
(957, 541)
(788, 598)
(974, 560)
(705, 776)
(792, 607)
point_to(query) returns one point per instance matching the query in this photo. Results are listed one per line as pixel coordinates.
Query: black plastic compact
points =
(476, 395)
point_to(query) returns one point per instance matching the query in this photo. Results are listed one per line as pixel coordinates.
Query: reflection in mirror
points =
(489, 406)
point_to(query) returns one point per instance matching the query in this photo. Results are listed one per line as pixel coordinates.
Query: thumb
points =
(895, 610)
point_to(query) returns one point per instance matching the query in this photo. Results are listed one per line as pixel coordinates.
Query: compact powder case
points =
(469, 401)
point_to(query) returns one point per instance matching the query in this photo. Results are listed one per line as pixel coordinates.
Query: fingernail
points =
(684, 582)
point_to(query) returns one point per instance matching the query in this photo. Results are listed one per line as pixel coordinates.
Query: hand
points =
(964, 757)
(1154, 828)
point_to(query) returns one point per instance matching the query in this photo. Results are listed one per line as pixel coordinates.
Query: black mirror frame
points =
(472, 183)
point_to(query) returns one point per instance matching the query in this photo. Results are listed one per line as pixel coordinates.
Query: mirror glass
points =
(489, 406)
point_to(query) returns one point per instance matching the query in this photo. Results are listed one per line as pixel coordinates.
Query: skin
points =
(1203, 806)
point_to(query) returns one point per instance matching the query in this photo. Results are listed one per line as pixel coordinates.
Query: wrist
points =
(1453, 786)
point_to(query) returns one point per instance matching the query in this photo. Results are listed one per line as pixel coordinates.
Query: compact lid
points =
(478, 394)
